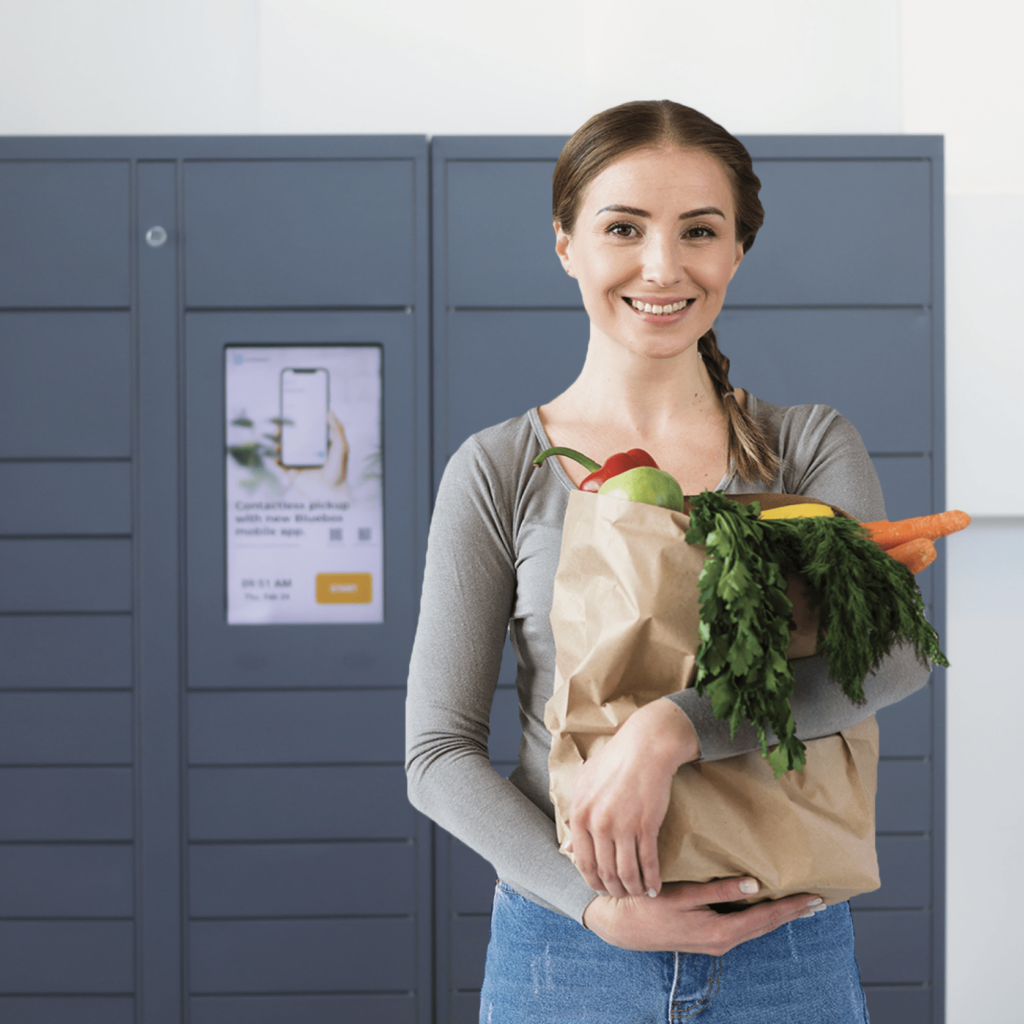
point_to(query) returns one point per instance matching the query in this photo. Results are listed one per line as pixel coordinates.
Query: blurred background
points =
(122, 67)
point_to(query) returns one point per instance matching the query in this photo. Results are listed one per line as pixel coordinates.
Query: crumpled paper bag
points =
(625, 617)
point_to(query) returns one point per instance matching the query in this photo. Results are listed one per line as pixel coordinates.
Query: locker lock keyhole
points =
(156, 236)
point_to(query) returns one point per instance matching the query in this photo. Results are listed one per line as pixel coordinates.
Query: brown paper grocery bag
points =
(625, 617)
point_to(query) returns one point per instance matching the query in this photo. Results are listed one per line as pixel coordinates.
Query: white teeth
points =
(646, 307)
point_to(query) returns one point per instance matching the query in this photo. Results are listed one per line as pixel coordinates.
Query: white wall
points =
(541, 67)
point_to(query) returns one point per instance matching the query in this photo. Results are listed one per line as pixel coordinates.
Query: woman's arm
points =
(468, 594)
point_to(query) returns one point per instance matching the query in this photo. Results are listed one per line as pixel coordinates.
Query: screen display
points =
(303, 484)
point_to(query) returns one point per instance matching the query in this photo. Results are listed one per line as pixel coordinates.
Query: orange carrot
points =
(888, 535)
(915, 554)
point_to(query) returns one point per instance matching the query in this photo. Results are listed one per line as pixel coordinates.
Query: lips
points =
(656, 309)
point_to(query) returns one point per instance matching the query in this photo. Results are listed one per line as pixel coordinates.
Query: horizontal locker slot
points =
(906, 484)
(299, 803)
(472, 881)
(65, 386)
(302, 879)
(905, 728)
(361, 955)
(899, 1004)
(66, 881)
(831, 358)
(66, 651)
(68, 1009)
(88, 575)
(297, 728)
(279, 233)
(66, 233)
(904, 800)
(46, 804)
(506, 732)
(524, 269)
(845, 265)
(361, 1009)
(65, 728)
(905, 866)
(893, 946)
(540, 353)
(53, 498)
(469, 937)
(67, 956)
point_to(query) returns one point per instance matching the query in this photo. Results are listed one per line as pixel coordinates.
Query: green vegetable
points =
(867, 603)
(647, 485)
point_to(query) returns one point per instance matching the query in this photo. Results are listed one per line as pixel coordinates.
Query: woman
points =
(654, 208)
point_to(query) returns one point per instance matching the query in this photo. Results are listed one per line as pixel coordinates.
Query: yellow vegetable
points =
(800, 511)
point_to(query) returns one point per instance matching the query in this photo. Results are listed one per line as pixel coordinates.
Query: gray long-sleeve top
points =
(493, 550)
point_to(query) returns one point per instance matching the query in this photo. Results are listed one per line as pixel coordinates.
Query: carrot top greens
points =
(867, 603)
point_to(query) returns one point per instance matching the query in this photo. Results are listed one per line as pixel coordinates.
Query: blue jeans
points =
(543, 968)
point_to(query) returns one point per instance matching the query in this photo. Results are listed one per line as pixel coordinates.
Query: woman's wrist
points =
(666, 732)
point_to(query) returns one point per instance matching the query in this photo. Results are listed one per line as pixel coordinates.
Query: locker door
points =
(845, 277)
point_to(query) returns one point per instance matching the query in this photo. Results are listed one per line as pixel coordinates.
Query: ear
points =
(562, 241)
(739, 259)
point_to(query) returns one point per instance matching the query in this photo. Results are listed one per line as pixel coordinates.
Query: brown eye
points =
(623, 230)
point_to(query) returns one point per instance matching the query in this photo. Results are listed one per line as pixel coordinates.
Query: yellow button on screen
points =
(344, 588)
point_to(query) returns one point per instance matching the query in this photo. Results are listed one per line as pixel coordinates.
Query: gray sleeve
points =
(823, 457)
(468, 592)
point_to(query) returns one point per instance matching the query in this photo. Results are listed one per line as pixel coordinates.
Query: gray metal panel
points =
(395, 1009)
(65, 385)
(501, 251)
(284, 656)
(469, 950)
(67, 1009)
(299, 233)
(52, 880)
(296, 728)
(905, 865)
(893, 946)
(66, 804)
(65, 575)
(832, 357)
(906, 484)
(840, 232)
(899, 1004)
(66, 728)
(353, 802)
(66, 956)
(539, 353)
(906, 727)
(472, 881)
(47, 498)
(904, 801)
(63, 651)
(361, 954)
(506, 732)
(302, 879)
(65, 230)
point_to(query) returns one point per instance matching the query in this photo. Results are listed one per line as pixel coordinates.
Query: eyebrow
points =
(701, 212)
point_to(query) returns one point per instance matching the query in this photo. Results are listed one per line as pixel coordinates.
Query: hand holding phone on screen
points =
(305, 395)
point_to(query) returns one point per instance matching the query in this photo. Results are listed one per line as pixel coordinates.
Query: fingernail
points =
(806, 914)
(601, 892)
(815, 901)
(748, 885)
(652, 893)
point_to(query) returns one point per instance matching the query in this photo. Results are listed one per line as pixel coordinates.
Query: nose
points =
(662, 260)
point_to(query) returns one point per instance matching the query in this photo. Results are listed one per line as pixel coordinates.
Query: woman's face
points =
(653, 249)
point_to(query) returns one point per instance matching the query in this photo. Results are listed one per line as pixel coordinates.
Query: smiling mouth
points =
(647, 307)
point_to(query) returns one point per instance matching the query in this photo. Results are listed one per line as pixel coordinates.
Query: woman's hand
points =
(620, 797)
(680, 919)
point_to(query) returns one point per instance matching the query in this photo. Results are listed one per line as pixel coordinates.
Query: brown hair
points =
(646, 124)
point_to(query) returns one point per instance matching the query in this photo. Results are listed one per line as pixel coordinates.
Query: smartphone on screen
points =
(304, 404)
